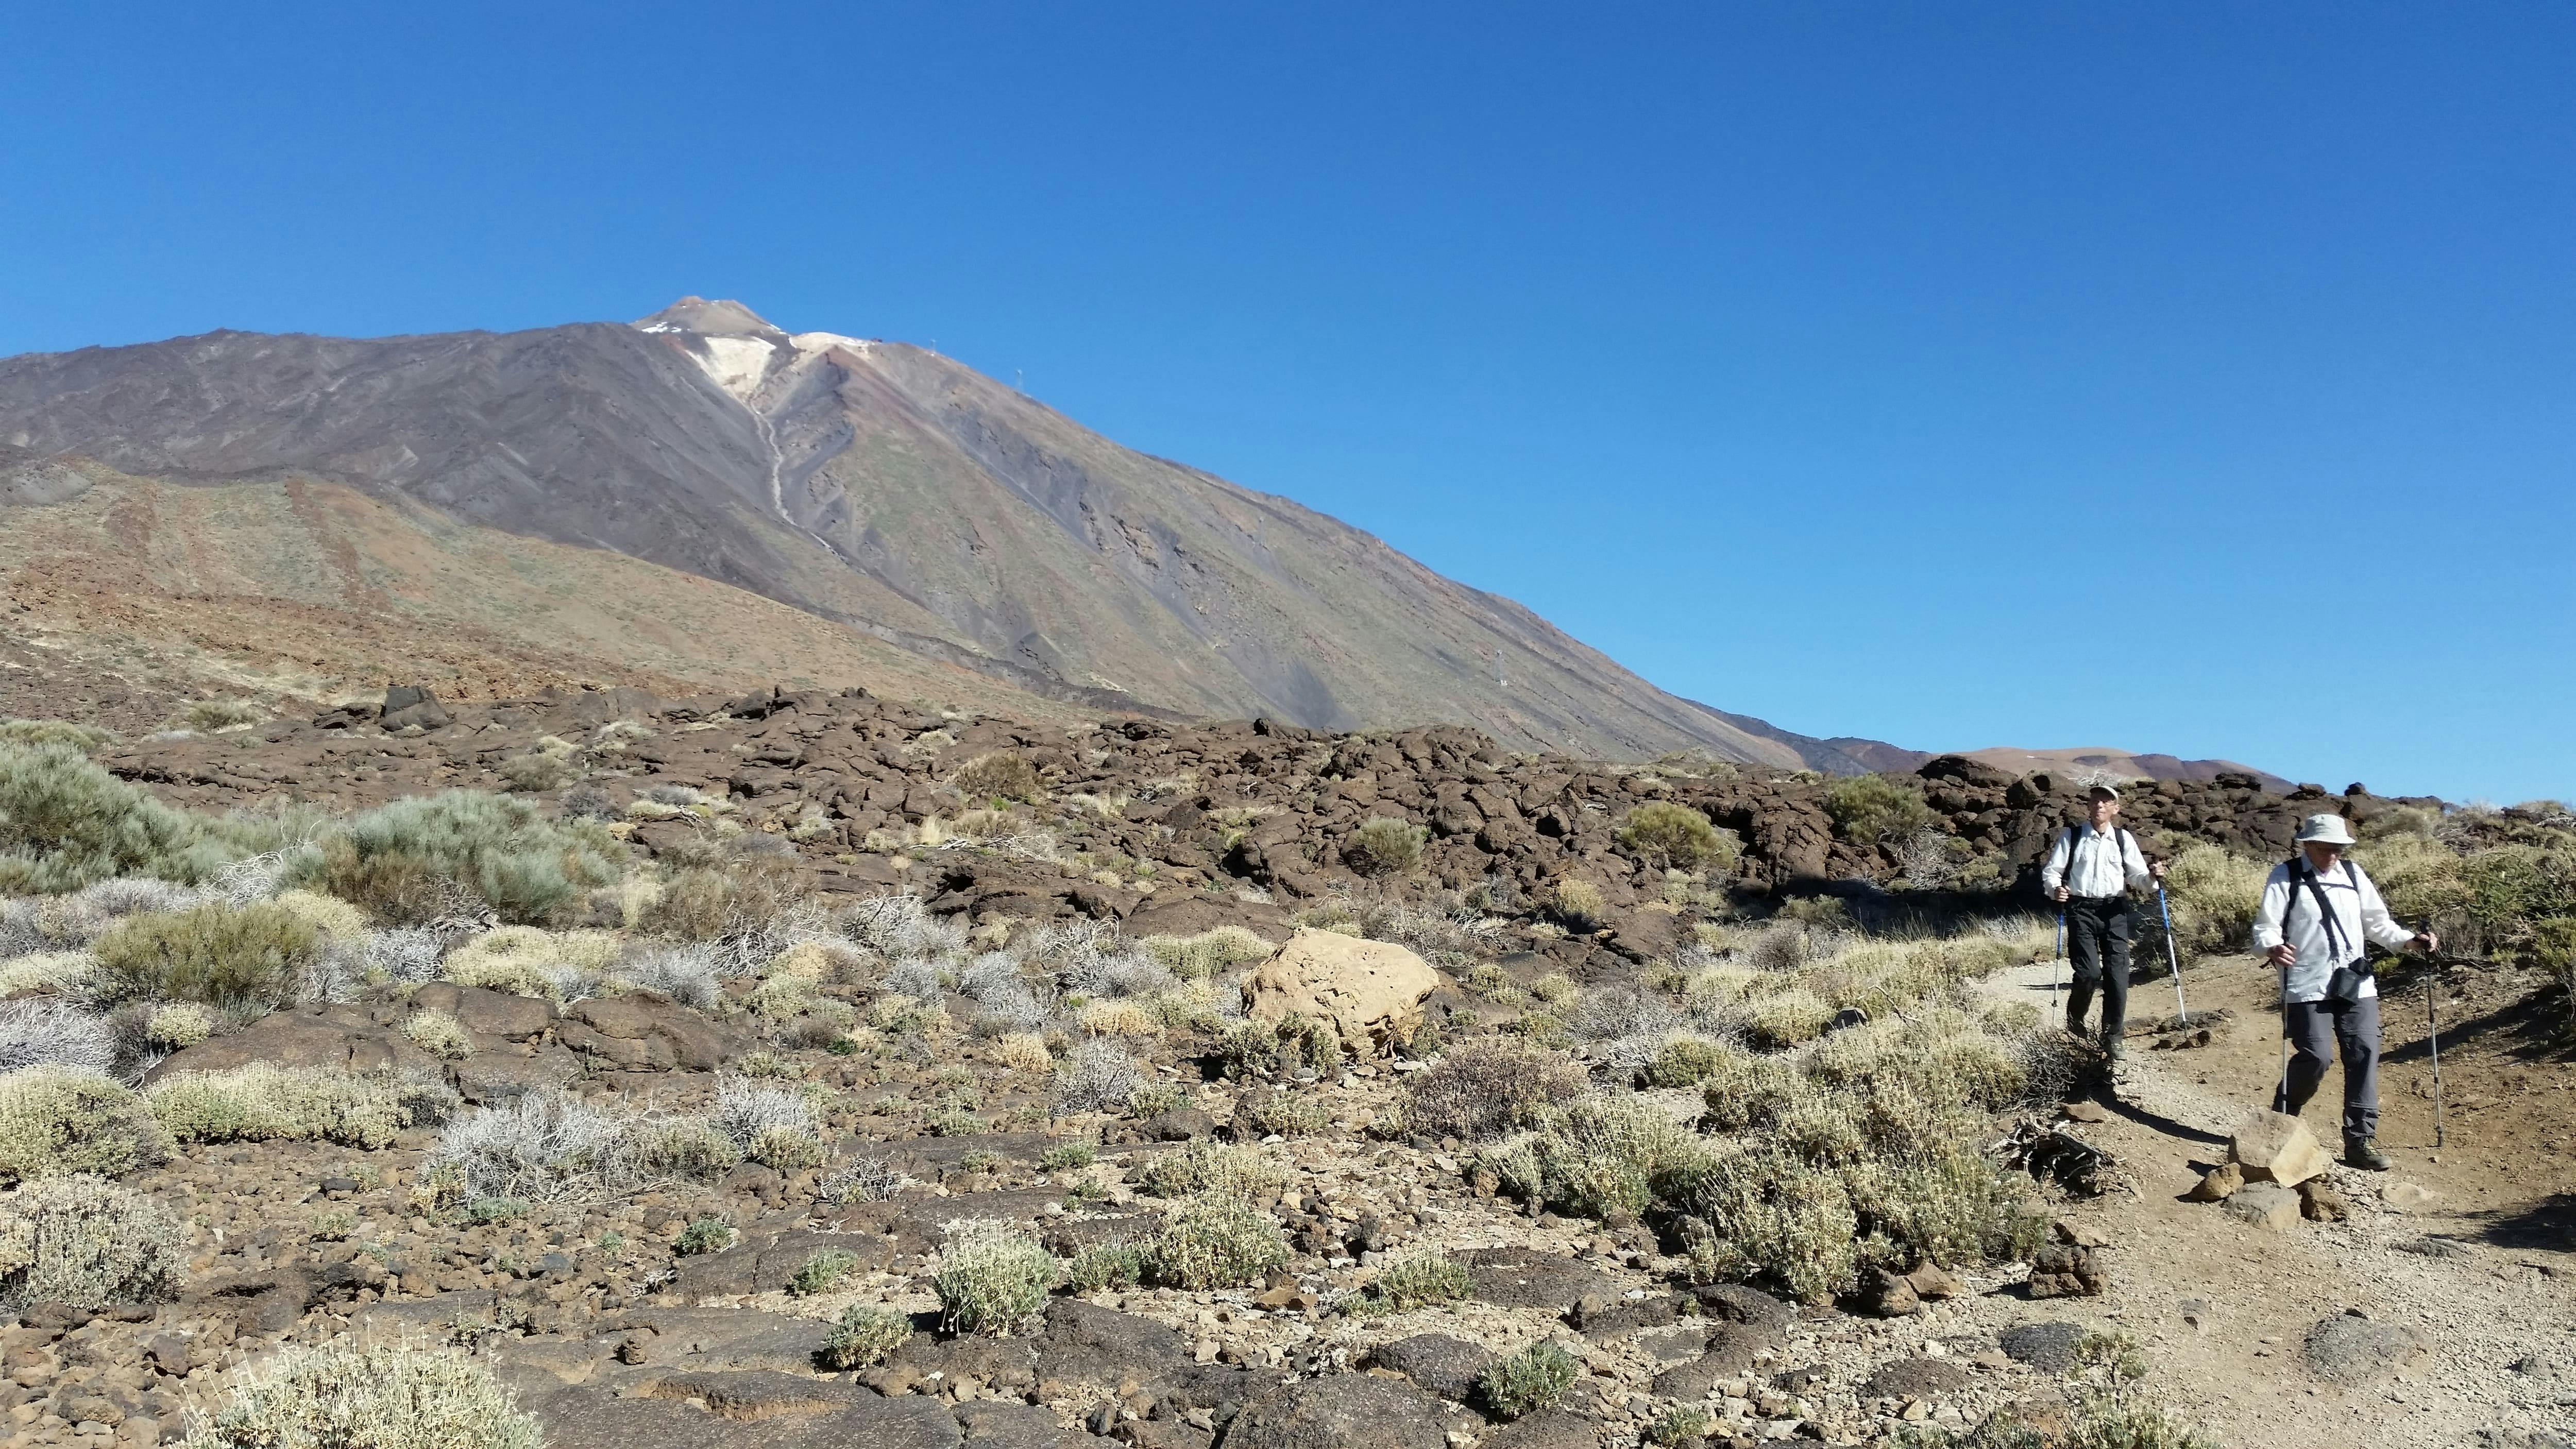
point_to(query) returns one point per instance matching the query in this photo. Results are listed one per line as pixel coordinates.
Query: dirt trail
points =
(2483, 1271)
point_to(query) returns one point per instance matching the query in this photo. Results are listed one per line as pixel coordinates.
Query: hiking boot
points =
(2364, 1153)
(2116, 1049)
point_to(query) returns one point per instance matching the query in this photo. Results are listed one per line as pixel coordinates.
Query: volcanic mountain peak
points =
(883, 488)
(719, 318)
(740, 350)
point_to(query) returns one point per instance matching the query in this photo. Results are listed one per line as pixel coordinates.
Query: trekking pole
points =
(2173, 958)
(2433, 1035)
(2281, 1098)
(2060, 958)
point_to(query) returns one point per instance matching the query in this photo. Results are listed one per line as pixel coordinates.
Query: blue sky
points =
(2186, 378)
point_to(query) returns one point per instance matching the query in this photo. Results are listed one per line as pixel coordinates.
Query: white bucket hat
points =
(2325, 830)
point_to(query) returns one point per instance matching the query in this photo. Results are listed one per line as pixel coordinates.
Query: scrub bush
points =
(1097, 1076)
(774, 1126)
(1216, 1240)
(1208, 1168)
(703, 1236)
(1207, 954)
(65, 823)
(177, 1025)
(1106, 1265)
(684, 1147)
(234, 958)
(1002, 775)
(360, 1396)
(992, 1277)
(408, 862)
(823, 1272)
(864, 1335)
(2213, 893)
(42, 1033)
(1422, 1280)
(1382, 846)
(440, 1035)
(40, 733)
(1493, 1089)
(61, 972)
(1872, 808)
(1538, 1377)
(85, 1241)
(526, 961)
(1580, 905)
(1670, 836)
(54, 1122)
(540, 1147)
(1288, 1114)
(265, 1102)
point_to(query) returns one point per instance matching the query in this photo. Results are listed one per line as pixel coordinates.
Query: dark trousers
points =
(2315, 1029)
(2099, 926)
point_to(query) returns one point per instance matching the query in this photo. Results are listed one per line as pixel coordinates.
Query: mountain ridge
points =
(878, 485)
(884, 488)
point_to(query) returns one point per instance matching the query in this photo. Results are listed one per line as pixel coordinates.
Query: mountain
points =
(2121, 763)
(947, 521)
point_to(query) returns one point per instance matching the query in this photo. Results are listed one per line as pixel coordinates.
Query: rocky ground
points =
(1175, 807)
(2436, 1312)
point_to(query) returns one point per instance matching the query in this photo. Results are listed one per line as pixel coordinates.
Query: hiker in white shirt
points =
(2318, 909)
(2090, 870)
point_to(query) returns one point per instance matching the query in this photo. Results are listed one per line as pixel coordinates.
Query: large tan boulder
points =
(2273, 1147)
(1371, 991)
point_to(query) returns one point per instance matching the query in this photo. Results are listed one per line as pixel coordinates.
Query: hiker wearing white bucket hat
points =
(2318, 910)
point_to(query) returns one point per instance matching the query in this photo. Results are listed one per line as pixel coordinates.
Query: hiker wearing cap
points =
(2318, 908)
(2090, 871)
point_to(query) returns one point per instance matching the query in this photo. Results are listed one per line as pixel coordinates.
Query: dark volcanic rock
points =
(1341, 1411)
(1439, 1364)
(1528, 1278)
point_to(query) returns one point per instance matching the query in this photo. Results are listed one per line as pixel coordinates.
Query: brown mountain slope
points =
(2121, 763)
(152, 591)
(878, 486)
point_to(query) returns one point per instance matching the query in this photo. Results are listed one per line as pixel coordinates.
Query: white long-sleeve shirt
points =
(2105, 863)
(2358, 912)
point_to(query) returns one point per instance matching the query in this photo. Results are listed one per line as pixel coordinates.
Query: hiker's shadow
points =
(2158, 1122)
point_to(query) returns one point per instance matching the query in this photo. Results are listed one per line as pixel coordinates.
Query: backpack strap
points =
(2302, 873)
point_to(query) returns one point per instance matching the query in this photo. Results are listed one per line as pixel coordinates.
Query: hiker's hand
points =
(2058, 894)
(2284, 955)
(2156, 868)
(2426, 942)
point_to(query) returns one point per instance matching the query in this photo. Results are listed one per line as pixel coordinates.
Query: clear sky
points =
(2188, 378)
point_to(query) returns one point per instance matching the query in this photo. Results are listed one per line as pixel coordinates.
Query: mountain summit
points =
(887, 489)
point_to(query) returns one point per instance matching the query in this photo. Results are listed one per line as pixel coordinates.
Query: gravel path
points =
(2227, 1309)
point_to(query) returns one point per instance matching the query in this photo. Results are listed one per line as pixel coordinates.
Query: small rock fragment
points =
(2266, 1205)
(2320, 1203)
(2218, 1184)
(2082, 1235)
(2067, 1271)
(2405, 1197)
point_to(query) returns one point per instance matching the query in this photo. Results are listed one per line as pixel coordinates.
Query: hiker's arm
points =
(2382, 927)
(2267, 915)
(2052, 873)
(2133, 862)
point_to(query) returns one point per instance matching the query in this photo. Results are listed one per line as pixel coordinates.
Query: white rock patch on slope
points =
(736, 363)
